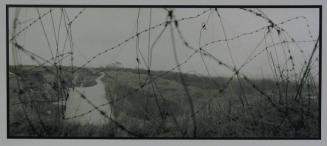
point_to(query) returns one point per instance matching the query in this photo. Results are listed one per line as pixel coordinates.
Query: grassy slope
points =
(219, 114)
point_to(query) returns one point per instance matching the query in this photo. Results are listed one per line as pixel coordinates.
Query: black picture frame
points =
(165, 6)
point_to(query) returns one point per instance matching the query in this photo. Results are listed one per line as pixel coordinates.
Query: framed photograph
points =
(162, 73)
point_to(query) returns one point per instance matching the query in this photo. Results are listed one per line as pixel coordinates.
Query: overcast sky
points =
(98, 29)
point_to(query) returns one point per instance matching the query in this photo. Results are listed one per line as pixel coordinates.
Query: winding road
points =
(77, 105)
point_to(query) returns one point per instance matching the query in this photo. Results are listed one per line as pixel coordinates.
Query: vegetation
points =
(155, 105)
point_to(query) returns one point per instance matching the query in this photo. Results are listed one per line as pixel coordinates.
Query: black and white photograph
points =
(231, 72)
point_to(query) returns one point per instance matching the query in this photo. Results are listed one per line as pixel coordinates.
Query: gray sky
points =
(98, 29)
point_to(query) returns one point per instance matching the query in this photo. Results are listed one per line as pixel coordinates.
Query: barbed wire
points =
(173, 23)
(165, 23)
(30, 24)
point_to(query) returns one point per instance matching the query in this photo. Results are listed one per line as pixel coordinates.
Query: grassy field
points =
(155, 105)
